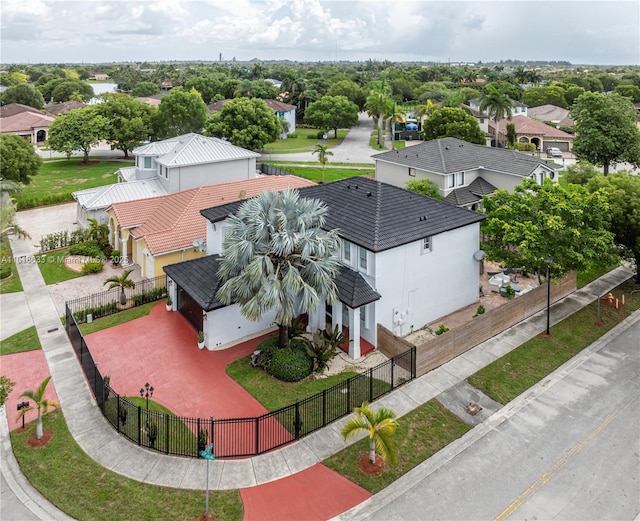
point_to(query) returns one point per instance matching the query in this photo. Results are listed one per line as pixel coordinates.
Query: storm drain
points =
(473, 409)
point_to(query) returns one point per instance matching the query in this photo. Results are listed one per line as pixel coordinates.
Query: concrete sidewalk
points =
(98, 439)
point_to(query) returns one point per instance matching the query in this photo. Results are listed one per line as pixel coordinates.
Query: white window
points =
(460, 178)
(451, 180)
(362, 254)
(346, 251)
(412, 172)
(427, 244)
(147, 162)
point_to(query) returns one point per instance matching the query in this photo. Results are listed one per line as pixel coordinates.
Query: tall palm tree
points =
(424, 110)
(40, 403)
(378, 104)
(380, 424)
(97, 230)
(497, 105)
(323, 155)
(122, 282)
(396, 116)
(276, 256)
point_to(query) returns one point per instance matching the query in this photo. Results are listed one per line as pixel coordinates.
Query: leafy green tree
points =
(351, 90)
(497, 105)
(323, 156)
(79, 128)
(424, 187)
(377, 105)
(453, 122)
(208, 87)
(19, 159)
(606, 130)
(41, 404)
(629, 91)
(569, 223)
(547, 95)
(72, 89)
(9, 79)
(130, 121)
(623, 193)
(276, 256)
(121, 281)
(6, 386)
(180, 112)
(580, 173)
(22, 93)
(247, 123)
(332, 112)
(144, 89)
(380, 425)
(47, 88)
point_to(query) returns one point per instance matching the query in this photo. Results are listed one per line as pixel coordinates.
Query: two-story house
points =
(464, 172)
(406, 260)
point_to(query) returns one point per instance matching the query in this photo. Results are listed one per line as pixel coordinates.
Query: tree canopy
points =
(79, 128)
(276, 256)
(22, 93)
(569, 223)
(144, 89)
(351, 90)
(424, 187)
(606, 130)
(332, 112)
(19, 159)
(180, 112)
(247, 123)
(72, 90)
(453, 122)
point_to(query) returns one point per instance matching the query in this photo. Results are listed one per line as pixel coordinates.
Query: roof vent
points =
(348, 187)
(447, 147)
(460, 146)
(356, 187)
(368, 194)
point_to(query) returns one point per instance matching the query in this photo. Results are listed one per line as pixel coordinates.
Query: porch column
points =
(336, 319)
(354, 333)
(124, 242)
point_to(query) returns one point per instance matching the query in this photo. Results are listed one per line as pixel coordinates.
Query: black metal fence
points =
(238, 437)
(271, 170)
(108, 302)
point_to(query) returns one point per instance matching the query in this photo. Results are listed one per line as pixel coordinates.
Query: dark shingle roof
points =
(450, 155)
(353, 290)
(470, 194)
(198, 277)
(375, 215)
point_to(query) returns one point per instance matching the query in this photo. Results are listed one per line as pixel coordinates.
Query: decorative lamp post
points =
(146, 392)
(23, 405)
(549, 262)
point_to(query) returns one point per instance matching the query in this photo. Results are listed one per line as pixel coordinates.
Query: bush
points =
(290, 365)
(267, 347)
(87, 249)
(92, 267)
(115, 257)
(96, 312)
(148, 296)
(55, 241)
(5, 271)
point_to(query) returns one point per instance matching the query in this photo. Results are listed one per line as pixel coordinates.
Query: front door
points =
(190, 309)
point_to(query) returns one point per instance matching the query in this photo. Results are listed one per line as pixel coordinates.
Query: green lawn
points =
(53, 268)
(305, 141)
(529, 363)
(420, 434)
(117, 318)
(76, 484)
(10, 284)
(26, 340)
(315, 174)
(56, 180)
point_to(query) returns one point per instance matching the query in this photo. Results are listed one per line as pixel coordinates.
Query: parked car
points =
(554, 152)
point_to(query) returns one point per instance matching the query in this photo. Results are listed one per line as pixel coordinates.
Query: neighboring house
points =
(56, 109)
(406, 259)
(159, 231)
(30, 124)
(463, 172)
(12, 109)
(530, 130)
(518, 109)
(100, 77)
(281, 109)
(153, 102)
(171, 166)
(552, 114)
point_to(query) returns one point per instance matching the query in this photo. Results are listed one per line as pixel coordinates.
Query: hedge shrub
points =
(87, 249)
(92, 267)
(290, 365)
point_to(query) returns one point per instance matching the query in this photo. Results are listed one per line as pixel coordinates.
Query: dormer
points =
(146, 167)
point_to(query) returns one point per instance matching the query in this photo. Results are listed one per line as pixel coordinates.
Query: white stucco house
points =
(464, 172)
(166, 167)
(406, 259)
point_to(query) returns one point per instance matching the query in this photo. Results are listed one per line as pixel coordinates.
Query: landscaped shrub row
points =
(31, 201)
(88, 249)
(149, 296)
(96, 311)
(54, 241)
(92, 267)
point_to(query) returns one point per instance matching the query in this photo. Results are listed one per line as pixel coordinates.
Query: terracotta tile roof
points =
(25, 121)
(62, 108)
(15, 108)
(172, 222)
(525, 125)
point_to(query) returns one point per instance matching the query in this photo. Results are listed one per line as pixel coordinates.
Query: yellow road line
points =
(545, 477)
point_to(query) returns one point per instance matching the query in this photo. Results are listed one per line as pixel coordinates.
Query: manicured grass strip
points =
(10, 284)
(53, 268)
(420, 434)
(57, 180)
(273, 393)
(117, 318)
(511, 375)
(21, 342)
(331, 164)
(73, 482)
(305, 141)
(585, 277)
(330, 174)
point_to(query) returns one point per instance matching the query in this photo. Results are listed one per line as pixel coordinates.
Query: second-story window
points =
(362, 254)
(459, 178)
(346, 251)
(147, 162)
(451, 181)
(412, 172)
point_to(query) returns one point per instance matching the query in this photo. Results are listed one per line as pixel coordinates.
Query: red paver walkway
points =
(161, 349)
(315, 494)
(27, 370)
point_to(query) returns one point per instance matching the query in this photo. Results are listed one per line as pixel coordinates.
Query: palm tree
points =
(378, 104)
(425, 110)
(497, 105)
(97, 231)
(381, 426)
(276, 256)
(396, 116)
(40, 403)
(7, 215)
(122, 282)
(323, 155)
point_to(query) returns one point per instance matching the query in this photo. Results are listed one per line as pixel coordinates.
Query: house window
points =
(427, 244)
(460, 178)
(346, 251)
(362, 254)
(451, 180)
(147, 162)
(481, 120)
(412, 172)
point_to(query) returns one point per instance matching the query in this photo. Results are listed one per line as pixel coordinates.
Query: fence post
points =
(324, 407)
(297, 420)
(166, 433)
(211, 432)
(413, 362)
(370, 384)
(139, 425)
(198, 437)
(348, 395)
(393, 363)
(257, 435)
(118, 413)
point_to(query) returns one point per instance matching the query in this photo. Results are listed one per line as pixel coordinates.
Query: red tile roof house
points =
(26, 122)
(529, 130)
(167, 229)
(406, 260)
(282, 110)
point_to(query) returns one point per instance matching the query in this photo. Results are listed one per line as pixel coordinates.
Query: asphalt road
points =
(572, 452)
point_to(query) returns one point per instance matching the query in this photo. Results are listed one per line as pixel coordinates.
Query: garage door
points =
(190, 309)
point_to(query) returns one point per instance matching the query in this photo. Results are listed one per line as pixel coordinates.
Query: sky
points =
(99, 31)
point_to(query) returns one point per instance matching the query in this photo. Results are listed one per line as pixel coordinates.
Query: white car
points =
(554, 152)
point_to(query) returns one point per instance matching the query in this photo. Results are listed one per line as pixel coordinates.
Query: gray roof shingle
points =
(470, 194)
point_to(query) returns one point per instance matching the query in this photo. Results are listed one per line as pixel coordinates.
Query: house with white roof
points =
(166, 167)
(464, 172)
(406, 260)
